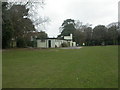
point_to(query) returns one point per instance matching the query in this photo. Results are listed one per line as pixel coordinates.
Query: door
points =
(49, 43)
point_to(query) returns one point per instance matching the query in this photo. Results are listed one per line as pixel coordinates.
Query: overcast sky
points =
(94, 12)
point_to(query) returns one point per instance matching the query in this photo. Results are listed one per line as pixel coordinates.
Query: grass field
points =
(88, 67)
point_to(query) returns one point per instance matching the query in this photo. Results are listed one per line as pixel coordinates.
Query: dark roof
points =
(51, 38)
(46, 38)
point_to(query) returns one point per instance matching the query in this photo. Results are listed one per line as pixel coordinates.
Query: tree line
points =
(99, 35)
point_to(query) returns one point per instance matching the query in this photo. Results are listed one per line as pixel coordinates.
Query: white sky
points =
(94, 12)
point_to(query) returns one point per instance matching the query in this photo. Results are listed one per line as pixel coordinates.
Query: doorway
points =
(49, 43)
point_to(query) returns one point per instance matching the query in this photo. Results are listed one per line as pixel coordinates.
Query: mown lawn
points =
(88, 67)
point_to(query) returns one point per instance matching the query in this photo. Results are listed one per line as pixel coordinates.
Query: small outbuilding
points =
(55, 42)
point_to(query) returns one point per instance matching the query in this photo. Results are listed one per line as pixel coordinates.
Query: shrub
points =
(64, 44)
(21, 43)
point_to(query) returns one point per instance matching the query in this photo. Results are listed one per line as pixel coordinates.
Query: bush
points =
(21, 43)
(30, 43)
(64, 44)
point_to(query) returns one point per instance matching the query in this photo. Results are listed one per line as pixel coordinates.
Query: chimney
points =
(71, 36)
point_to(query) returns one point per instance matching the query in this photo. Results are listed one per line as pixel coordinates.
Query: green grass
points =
(88, 67)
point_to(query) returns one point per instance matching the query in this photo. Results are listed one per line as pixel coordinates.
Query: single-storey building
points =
(55, 42)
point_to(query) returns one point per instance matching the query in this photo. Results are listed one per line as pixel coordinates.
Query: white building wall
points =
(74, 44)
(53, 43)
(70, 43)
(47, 44)
(41, 44)
(58, 43)
(68, 37)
